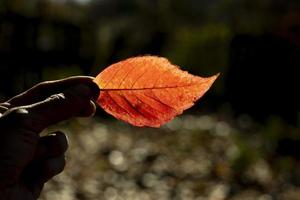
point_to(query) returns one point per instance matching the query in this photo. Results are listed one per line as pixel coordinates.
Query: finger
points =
(52, 145)
(52, 167)
(48, 88)
(3, 108)
(59, 107)
(40, 172)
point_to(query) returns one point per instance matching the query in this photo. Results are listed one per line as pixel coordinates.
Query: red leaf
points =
(148, 90)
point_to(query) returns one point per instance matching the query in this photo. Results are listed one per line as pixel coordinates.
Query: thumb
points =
(75, 101)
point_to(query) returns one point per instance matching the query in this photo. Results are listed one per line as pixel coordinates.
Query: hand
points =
(27, 160)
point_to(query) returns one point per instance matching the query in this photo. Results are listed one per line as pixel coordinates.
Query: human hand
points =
(27, 160)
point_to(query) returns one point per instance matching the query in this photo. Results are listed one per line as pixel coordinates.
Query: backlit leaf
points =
(148, 90)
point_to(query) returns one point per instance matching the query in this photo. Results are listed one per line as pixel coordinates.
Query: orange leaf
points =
(148, 90)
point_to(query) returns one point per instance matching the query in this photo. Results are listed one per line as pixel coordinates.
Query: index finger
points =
(45, 89)
(59, 107)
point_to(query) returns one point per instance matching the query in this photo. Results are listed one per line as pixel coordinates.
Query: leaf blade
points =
(149, 90)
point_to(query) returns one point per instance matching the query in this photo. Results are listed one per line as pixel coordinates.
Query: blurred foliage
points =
(93, 34)
(200, 156)
(192, 157)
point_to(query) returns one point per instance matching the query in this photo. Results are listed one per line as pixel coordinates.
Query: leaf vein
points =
(112, 77)
(147, 69)
(159, 101)
(114, 101)
(130, 104)
(124, 78)
(147, 103)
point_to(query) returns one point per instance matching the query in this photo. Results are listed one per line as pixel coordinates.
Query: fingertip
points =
(80, 90)
(87, 90)
(52, 145)
(95, 89)
(62, 141)
(53, 166)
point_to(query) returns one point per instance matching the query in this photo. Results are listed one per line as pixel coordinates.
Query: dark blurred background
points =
(241, 141)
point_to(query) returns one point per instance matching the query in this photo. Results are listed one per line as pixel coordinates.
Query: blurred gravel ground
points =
(193, 157)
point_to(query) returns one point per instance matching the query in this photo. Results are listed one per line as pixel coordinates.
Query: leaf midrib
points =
(148, 88)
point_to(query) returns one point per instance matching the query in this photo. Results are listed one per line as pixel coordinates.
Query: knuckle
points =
(5, 104)
(17, 115)
(3, 109)
(21, 118)
(55, 97)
